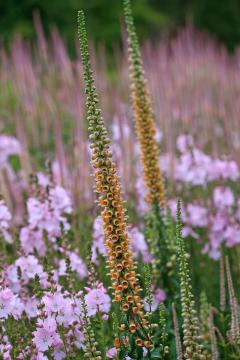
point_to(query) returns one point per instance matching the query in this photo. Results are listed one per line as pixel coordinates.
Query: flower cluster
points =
(5, 218)
(144, 117)
(218, 214)
(45, 216)
(138, 243)
(119, 255)
(8, 146)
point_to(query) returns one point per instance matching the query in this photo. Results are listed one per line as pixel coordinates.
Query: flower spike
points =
(126, 289)
(192, 348)
(144, 116)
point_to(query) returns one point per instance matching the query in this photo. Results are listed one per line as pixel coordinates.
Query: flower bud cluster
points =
(193, 349)
(125, 286)
(144, 117)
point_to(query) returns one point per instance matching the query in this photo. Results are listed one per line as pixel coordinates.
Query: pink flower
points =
(18, 308)
(53, 302)
(48, 215)
(43, 180)
(97, 300)
(8, 146)
(49, 324)
(197, 216)
(31, 307)
(36, 213)
(111, 353)
(76, 263)
(42, 339)
(58, 353)
(138, 244)
(158, 297)
(98, 246)
(59, 306)
(12, 277)
(30, 267)
(60, 201)
(223, 197)
(184, 142)
(79, 342)
(5, 218)
(105, 317)
(6, 303)
(232, 235)
(7, 294)
(32, 240)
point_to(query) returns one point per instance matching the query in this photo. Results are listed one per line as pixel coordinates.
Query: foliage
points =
(152, 18)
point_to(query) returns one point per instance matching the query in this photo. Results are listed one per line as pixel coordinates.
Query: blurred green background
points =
(153, 17)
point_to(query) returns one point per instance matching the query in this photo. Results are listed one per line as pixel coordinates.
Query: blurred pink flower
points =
(5, 218)
(111, 353)
(223, 197)
(97, 300)
(6, 302)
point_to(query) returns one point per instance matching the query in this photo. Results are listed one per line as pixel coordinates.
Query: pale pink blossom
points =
(97, 300)
(5, 218)
(111, 353)
(7, 299)
(43, 339)
(223, 197)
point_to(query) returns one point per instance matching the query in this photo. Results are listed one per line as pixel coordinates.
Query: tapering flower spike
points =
(234, 333)
(144, 116)
(214, 348)
(222, 284)
(179, 352)
(126, 289)
(91, 351)
(192, 348)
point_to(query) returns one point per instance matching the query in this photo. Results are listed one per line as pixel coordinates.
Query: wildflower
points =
(30, 267)
(97, 300)
(5, 218)
(31, 307)
(8, 146)
(49, 324)
(32, 239)
(42, 179)
(111, 353)
(76, 263)
(120, 258)
(223, 197)
(60, 307)
(193, 349)
(98, 246)
(79, 342)
(17, 308)
(59, 200)
(197, 215)
(43, 339)
(144, 117)
(158, 297)
(138, 244)
(48, 215)
(90, 342)
(53, 302)
(12, 277)
(184, 143)
(6, 302)
(58, 352)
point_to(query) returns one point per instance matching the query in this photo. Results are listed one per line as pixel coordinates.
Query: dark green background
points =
(153, 17)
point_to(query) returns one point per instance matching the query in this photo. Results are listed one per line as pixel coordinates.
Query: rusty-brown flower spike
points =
(144, 116)
(125, 285)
